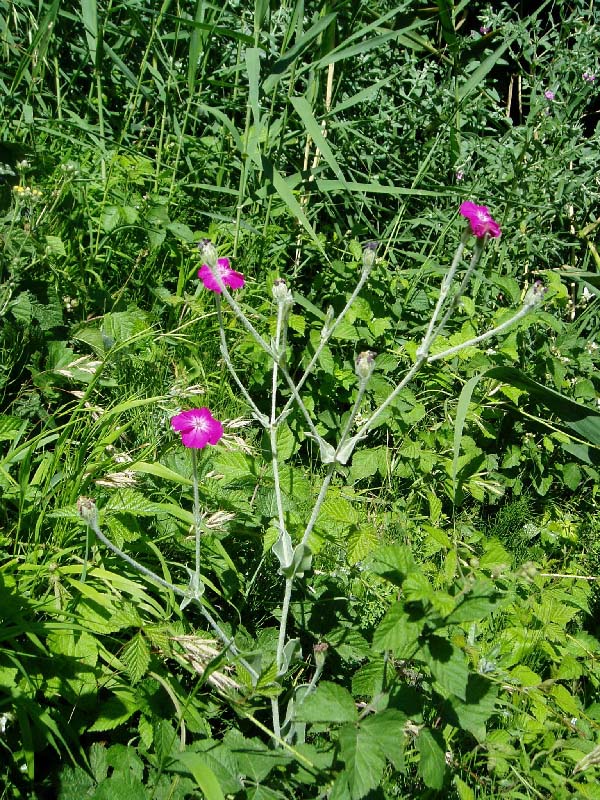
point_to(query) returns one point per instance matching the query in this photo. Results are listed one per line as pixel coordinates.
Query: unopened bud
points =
(281, 293)
(535, 294)
(208, 252)
(368, 256)
(319, 650)
(365, 364)
(86, 508)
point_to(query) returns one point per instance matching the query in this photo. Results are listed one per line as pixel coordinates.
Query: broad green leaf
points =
(136, 657)
(398, 632)
(393, 562)
(361, 542)
(365, 463)
(364, 760)
(477, 708)
(328, 703)
(448, 665)
(432, 763)
(159, 471)
(584, 420)
(387, 729)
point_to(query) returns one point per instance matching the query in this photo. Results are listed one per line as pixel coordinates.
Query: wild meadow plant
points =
(198, 428)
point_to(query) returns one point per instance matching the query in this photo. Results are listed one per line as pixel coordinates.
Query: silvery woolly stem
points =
(482, 337)
(327, 333)
(364, 429)
(269, 350)
(444, 289)
(362, 386)
(258, 415)
(89, 514)
(478, 250)
(279, 332)
(197, 516)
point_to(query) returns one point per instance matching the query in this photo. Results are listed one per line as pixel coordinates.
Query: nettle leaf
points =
(387, 729)
(365, 463)
(361, 542)
(363, 758)
(328, 703)
(130, 501)
(393, 562)
(367, 681)
(399, 632)
(115, 711)
(448, 665)
(136, 657)
(432, 764)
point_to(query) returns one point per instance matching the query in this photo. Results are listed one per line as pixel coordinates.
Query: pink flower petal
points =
(198, 427)
(480, 220)
(231, 278)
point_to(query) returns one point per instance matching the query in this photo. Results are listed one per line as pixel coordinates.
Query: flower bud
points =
(86, 508)
(208, 252)
(365, 364)
(535, 294)
(319, 650)
(281, 293)
(368, 255)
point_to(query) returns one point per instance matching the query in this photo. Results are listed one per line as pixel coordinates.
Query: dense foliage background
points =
(457, 555)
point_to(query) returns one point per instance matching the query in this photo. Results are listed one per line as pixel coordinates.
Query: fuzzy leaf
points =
(136, 657)
(328, 703)
(363, 758)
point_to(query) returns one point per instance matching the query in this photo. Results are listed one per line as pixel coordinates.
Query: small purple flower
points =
(231, 278)
(485, 29)
(198, 427)
(481, 221)
(549, 94)
(459, 175)
(588, 77)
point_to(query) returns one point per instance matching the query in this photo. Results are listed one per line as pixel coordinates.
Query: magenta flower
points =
(198, 427)
(549, 94)
(231, 278)
(588, 77)
(481, 221)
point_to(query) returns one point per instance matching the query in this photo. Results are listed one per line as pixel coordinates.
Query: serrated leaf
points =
(328, 703)
(361, 542)
(340, 510)
(363, 759)
(387, 729)
(393, 562)
(478, 707)
(398, 632)
(133, 502)
(367, 462)
(448, 665)
(432, 763)
(136, 657)
(115, 711)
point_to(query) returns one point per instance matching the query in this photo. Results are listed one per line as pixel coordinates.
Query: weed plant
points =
(441, 643)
